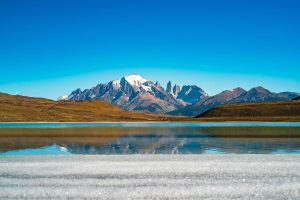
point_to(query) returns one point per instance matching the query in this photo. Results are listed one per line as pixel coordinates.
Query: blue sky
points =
(50, 47)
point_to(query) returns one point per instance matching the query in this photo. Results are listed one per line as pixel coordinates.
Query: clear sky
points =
(50, 47)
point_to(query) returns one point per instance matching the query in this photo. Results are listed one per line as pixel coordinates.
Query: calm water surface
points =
(150, 138)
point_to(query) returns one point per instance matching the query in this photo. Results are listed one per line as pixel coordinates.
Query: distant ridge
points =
(235, 96)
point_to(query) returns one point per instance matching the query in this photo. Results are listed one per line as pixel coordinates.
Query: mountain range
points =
(136, 93)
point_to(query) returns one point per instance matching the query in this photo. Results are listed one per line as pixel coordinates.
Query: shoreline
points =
(176, 119)
(140, 122)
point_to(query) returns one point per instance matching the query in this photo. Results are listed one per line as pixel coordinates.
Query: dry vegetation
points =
(21, 108)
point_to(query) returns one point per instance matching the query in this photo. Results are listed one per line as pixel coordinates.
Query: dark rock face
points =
(191, 94)
(260, 94)
(255, 95)
(76, 95)
(169, 87)
(176, 90)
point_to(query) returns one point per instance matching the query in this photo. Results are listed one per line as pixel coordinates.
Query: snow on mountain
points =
(146, 88)
(135, 80)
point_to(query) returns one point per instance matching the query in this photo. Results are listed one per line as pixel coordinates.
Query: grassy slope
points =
(21, 108)
(28, 109)
(265, 111)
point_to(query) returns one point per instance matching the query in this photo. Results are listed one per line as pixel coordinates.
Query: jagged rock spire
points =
(176, 90)
(169, 87)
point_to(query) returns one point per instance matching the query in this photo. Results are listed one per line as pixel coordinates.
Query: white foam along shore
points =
(151, 177)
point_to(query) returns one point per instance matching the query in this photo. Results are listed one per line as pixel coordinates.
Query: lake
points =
(149, 138)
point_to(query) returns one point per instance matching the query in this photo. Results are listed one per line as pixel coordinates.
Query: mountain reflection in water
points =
(168, 145)
(183, 140)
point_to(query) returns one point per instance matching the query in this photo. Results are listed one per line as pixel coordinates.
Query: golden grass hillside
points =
(15, 108)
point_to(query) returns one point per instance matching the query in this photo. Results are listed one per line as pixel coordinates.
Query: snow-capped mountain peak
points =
(135, 80)
(134, 92)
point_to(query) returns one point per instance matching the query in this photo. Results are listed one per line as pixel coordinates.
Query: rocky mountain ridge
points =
(137, 93)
